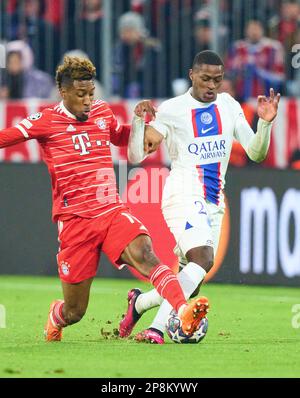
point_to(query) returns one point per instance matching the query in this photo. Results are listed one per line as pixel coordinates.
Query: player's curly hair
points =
(74, 68)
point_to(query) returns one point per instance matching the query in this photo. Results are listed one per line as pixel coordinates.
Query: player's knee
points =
(148, 255)
(144, 255)
(140, 255)
(74, 315)
(203, 256)
(147, 259)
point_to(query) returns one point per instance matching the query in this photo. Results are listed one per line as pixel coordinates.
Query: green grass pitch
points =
(250, 335)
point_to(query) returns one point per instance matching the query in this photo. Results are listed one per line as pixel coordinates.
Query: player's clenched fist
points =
(147, 107)
(152, 139)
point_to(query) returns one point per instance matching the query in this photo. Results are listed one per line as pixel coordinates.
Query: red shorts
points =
(82, 240)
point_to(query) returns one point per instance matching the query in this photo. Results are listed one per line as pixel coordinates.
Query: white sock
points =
(151, 299)
(148, 300)
(189, 278)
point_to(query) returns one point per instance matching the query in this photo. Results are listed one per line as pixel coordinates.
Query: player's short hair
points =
(74, 68)
(207, 57)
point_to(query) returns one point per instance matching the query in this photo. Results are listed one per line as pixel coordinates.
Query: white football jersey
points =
(199, 139)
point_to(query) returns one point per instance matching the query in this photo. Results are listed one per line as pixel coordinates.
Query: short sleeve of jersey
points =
(114, 125)
(36, 126)
(119, 133)
(163, 120)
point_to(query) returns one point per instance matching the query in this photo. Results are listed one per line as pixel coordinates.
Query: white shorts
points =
(193, 222)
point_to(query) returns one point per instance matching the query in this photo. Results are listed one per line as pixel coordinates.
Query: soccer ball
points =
(176, 334)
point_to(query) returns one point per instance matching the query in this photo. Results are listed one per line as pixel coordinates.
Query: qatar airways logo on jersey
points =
(205, 150)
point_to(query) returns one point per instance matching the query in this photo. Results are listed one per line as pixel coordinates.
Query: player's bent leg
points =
(182, 262)
(139, 254)
(143, 260)
(76, 297)
(202, 255)
(200, 261)
(145, 301)
(191, 274)
(68, 311)
(190, 277)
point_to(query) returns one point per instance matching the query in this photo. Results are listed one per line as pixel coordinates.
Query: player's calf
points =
(73, 315)
(139, 254)
(60, 316)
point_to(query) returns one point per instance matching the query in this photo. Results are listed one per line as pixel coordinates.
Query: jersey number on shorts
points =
(132, 219)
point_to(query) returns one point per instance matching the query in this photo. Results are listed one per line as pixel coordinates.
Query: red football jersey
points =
(78, 157)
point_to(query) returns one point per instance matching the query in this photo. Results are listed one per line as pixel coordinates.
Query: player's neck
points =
(66, 110)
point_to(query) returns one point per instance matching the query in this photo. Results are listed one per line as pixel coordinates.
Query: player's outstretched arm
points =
(34, 126)
(120, 136)
(12, 136)
(135, 150)
(267, 108)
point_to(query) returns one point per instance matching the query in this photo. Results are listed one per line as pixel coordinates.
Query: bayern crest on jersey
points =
(206, 118)
(101, 123)
(65, 267)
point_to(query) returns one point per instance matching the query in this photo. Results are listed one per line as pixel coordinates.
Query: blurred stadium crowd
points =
(152, 44)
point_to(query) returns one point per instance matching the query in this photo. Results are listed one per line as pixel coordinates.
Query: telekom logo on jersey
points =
(82, 143)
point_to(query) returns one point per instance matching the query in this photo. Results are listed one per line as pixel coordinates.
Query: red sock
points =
(57, 314)
(166, 283)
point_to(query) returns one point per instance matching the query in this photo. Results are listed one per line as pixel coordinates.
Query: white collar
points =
(199, 103)
(65, 110)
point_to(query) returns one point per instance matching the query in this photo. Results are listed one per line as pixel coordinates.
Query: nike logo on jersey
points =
(204, 131)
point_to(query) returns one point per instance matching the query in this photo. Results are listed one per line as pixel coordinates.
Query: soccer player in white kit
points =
(198, 128)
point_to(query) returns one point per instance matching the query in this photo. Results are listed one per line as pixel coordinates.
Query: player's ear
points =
(63, 92)
(191, 74)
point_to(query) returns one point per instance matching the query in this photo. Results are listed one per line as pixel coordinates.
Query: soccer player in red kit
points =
(75, 138)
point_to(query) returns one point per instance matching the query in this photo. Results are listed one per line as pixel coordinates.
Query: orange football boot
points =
(193, 313)
(52, 332)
